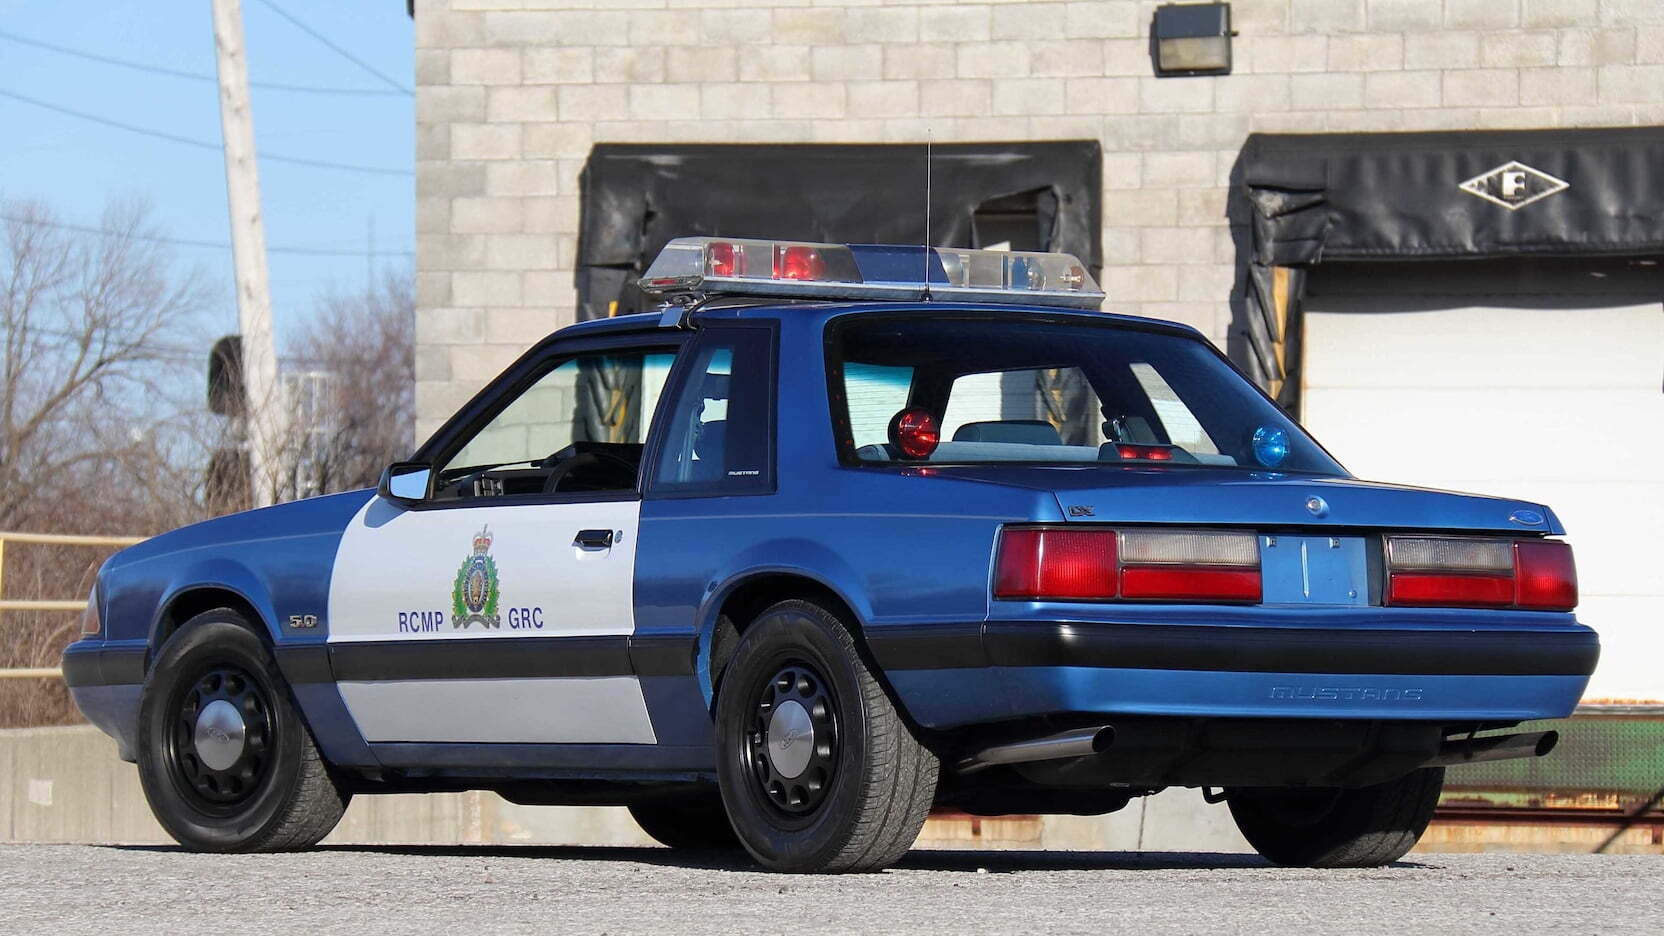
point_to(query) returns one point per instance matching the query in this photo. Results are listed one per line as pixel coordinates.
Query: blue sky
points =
(74, 164)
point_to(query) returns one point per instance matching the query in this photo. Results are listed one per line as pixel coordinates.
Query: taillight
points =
(1450, 571)
(1071, 564)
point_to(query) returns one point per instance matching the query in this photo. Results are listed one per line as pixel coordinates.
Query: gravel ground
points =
(66, 889)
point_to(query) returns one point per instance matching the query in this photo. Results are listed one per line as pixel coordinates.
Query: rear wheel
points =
(1331, 828)
(817, 769)
(224, 758)
(693, 822)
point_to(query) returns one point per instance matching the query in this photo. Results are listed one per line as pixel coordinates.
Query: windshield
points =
(1012, 390)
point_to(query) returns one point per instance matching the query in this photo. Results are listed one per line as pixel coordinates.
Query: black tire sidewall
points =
(782, 635)
(209, 639)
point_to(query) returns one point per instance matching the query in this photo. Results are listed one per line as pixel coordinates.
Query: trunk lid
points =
(1266, 500)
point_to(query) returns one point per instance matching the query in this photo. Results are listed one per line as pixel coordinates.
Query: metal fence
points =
(47, 604)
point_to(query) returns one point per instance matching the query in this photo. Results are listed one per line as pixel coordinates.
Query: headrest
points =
(1019, 431)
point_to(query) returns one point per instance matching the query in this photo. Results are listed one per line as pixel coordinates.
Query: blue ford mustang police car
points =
(845, 533)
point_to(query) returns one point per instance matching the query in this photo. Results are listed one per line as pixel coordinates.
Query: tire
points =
(277, 794)
(1363, 828)
(696, 822)
(866, 785)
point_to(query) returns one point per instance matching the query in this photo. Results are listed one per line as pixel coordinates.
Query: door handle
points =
(593, 539)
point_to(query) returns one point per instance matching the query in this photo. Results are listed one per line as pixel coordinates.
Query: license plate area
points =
(1314, 570)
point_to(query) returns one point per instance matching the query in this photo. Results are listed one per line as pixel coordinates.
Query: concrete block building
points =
(1428, 226)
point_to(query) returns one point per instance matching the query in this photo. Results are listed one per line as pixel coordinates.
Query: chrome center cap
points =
(791, 739)
(219, 735)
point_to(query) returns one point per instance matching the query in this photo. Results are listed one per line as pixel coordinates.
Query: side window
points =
(875, 393)
(580, 427)
(718, 438)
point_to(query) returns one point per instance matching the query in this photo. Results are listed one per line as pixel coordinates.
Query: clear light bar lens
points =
(1192, 549)
(1013, 270)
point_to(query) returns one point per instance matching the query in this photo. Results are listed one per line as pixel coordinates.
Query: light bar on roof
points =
(704, 266)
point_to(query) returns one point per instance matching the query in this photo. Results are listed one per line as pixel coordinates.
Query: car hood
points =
(1117, 494)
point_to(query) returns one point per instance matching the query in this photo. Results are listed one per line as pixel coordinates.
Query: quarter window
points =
(718, 437)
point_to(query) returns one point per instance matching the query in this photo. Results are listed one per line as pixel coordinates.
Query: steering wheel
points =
(587, 461)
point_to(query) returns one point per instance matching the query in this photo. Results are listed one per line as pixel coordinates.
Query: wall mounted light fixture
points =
(1192, 39)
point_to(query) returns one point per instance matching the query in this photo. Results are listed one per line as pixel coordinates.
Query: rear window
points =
(1013, 390)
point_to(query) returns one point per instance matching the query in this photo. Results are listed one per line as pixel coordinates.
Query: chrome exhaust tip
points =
(1080, 742)
(1460, 751)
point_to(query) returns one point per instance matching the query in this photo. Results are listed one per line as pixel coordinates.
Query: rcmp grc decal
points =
(474, 596)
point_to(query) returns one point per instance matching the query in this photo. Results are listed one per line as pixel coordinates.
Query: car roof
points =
(736, 308)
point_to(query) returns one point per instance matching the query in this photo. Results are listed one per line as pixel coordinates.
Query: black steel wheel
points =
(224, 758)
(219, 750)
(817, 769)
(793, 742)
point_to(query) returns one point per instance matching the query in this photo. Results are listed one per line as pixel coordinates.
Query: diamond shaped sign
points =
(1514, 185)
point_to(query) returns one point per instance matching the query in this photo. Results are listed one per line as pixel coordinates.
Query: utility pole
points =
(264, 415)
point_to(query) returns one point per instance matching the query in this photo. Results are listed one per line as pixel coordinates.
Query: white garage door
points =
(1540, 380)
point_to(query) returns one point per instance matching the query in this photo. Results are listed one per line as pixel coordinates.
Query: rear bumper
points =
(955, 675)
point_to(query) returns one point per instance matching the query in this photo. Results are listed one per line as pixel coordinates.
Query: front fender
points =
(221, 574)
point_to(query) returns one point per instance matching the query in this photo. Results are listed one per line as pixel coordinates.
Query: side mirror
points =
(405, 482)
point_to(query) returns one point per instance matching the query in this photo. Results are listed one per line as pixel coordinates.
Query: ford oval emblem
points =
(1317, 506)
(1526, 517)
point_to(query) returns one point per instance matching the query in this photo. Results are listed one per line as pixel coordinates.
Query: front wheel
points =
(1331, 828)
(688, 822)
(817, 769)
(225, 760)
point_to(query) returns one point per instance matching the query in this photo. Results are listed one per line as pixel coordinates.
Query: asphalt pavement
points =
(463, 891)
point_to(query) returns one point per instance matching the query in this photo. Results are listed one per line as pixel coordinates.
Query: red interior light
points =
(915, 432)
(1144, 452)
(720, 258)
(798, 262)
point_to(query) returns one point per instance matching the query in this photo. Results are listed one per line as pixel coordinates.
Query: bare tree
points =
(96, 433)
(88, 323)
(359, 411)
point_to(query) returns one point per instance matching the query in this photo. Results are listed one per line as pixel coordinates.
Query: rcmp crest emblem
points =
(474, 596)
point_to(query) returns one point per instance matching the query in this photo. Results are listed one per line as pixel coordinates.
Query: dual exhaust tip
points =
(1086, 742)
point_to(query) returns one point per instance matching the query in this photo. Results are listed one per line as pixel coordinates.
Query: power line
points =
(215, 245)
(192, 76)
(333, 47)
(200, 144)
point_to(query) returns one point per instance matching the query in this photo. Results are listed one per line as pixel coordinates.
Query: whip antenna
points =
(926, 251)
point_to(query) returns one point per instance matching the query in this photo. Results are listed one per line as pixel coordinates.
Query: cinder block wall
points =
(513, 93)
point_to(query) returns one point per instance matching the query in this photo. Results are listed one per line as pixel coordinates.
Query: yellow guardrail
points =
(48, 604)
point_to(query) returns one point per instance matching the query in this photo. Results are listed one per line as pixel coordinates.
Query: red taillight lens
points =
(799, 263)
(1476, 572)
(915, 432)
(1430, 589)
(1198, 584)
(1545, 576)
(1073, 564)
(1061, 564)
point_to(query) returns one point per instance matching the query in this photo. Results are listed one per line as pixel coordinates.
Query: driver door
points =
(499, 608)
